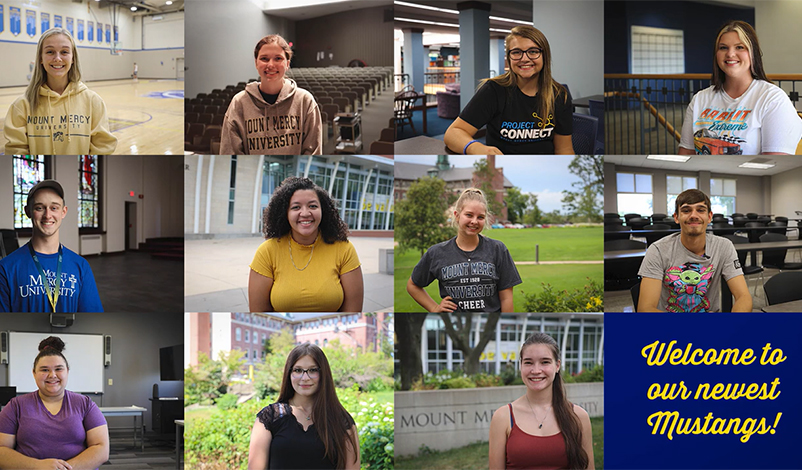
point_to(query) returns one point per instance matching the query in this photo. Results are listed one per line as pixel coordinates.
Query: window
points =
(28, 170)
(89, 192)
(247, 336)
(676, 185)
(657, 50)
(238, 335)
(255, 338)
(634, 194)
(231, 187)
(722, 196)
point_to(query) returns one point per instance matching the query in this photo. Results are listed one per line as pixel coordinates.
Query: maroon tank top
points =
(525, 451)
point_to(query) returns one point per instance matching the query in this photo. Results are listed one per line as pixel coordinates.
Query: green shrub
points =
(595, 374)
(487, 380)
(380, 384)
(587, 299)
(459, 382)
(227, 401)
(222, 440)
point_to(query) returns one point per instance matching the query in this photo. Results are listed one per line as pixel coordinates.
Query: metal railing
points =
(644, 113)
(437, 81)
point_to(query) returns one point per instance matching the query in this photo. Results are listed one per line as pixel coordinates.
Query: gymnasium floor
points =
(146, 116)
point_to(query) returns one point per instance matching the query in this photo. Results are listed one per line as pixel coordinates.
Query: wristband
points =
(465, 150)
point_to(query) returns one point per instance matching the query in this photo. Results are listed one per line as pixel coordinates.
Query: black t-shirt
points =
(512, 121)
(472, 279)
(290, 446)
(269, 99)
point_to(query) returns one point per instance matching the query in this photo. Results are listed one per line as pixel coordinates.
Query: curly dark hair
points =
(50, 346)
(274, 219)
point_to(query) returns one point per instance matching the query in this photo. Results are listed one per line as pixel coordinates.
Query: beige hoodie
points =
(72, 123)
(290, 126)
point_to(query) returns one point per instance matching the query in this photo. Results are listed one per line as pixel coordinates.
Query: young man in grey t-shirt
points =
(682, 272)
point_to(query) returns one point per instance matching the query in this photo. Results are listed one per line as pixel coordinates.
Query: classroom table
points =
(179, 434)
(789, 245)
(421, 145)
(792, 306)
(109, 411)
(585, 102)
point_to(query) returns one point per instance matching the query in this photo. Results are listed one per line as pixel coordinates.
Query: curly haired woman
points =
(307, 263)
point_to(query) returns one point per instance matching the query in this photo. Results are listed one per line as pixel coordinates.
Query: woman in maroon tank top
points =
(542, 429)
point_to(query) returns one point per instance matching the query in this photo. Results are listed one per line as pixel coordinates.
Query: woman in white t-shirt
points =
(742, 112)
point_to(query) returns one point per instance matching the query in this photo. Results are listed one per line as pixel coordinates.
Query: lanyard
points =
(52, 295)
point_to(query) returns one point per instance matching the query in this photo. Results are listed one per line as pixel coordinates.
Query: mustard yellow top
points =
(315, 289)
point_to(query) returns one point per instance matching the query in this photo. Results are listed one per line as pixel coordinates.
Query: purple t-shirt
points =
(41, 435)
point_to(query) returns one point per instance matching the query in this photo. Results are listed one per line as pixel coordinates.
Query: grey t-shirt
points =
(691, 283)
(472, 279)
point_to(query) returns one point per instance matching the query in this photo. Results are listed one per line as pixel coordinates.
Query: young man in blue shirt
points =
(43, 275)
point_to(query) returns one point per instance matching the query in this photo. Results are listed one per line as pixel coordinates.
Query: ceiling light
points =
(133, 8)
(500, 30)
(670, 158)
(168, 2)
(427, 7)
(437, 23)
(510, 20)
(756, 166)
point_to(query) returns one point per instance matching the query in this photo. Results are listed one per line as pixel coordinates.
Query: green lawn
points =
(475, 455)
(556, 244)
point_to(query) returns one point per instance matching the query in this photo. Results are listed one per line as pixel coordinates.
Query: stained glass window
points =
(89, 192)
(28, 170)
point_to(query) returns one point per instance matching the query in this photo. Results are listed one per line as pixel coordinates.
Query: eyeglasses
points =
(518, 54)
(312, 372)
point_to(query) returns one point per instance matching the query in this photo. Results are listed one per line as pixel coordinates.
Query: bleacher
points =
(336, 89)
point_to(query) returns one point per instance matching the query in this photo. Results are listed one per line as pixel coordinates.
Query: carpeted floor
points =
(435, 126)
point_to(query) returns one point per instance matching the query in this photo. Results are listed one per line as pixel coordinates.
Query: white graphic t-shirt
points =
(761, 120)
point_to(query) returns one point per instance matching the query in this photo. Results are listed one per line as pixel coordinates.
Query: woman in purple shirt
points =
(52, 428)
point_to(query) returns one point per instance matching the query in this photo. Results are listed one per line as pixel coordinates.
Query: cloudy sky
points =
(546, 176)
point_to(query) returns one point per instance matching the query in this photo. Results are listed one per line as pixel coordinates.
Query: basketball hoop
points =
(117, 48)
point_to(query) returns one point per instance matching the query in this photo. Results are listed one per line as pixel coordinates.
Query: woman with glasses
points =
(307, 263)
(525, 110)
(307, 428)
(742, 113)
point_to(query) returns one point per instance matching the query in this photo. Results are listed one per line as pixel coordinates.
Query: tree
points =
(583, 203)
(458, 328)
(484, 176)
(268, 375)
(408, 332)
(516, 204)
(533, 215)
(420, 219)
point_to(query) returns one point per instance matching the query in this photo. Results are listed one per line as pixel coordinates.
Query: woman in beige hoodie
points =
(58, 114)
(272, 116)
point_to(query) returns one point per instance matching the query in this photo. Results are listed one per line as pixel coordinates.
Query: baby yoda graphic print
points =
(687, 287)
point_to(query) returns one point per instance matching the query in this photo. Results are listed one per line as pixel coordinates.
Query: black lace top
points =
(291, 447)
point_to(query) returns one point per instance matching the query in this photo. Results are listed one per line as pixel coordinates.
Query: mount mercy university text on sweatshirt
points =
(290, 126)
(72, 123)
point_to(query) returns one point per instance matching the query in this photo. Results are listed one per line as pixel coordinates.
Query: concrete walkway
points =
(216, 274)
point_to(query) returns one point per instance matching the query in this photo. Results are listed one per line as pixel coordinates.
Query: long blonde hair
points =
(39, 76)
(548, 89)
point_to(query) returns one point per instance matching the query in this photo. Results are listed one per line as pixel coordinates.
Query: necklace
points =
(308, 416)
(289, 245)
(546, 415)
(467, 254)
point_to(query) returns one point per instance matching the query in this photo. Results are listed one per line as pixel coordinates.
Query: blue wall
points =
(699, 22)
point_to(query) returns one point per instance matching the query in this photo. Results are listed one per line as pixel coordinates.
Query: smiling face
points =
(272, 64)
(471, 219)
(305, 376)
(693, 218)
(57, 56)
(304, 214)
(733, 57)
(538, 367)
(46, 212)
(525, 68)
(51, 374)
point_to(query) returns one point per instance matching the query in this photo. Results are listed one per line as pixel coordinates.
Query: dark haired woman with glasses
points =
(283, 435)
(525, 110)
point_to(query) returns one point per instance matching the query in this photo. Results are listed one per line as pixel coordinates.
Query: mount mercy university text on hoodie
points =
(72, 123)
(290, 126)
